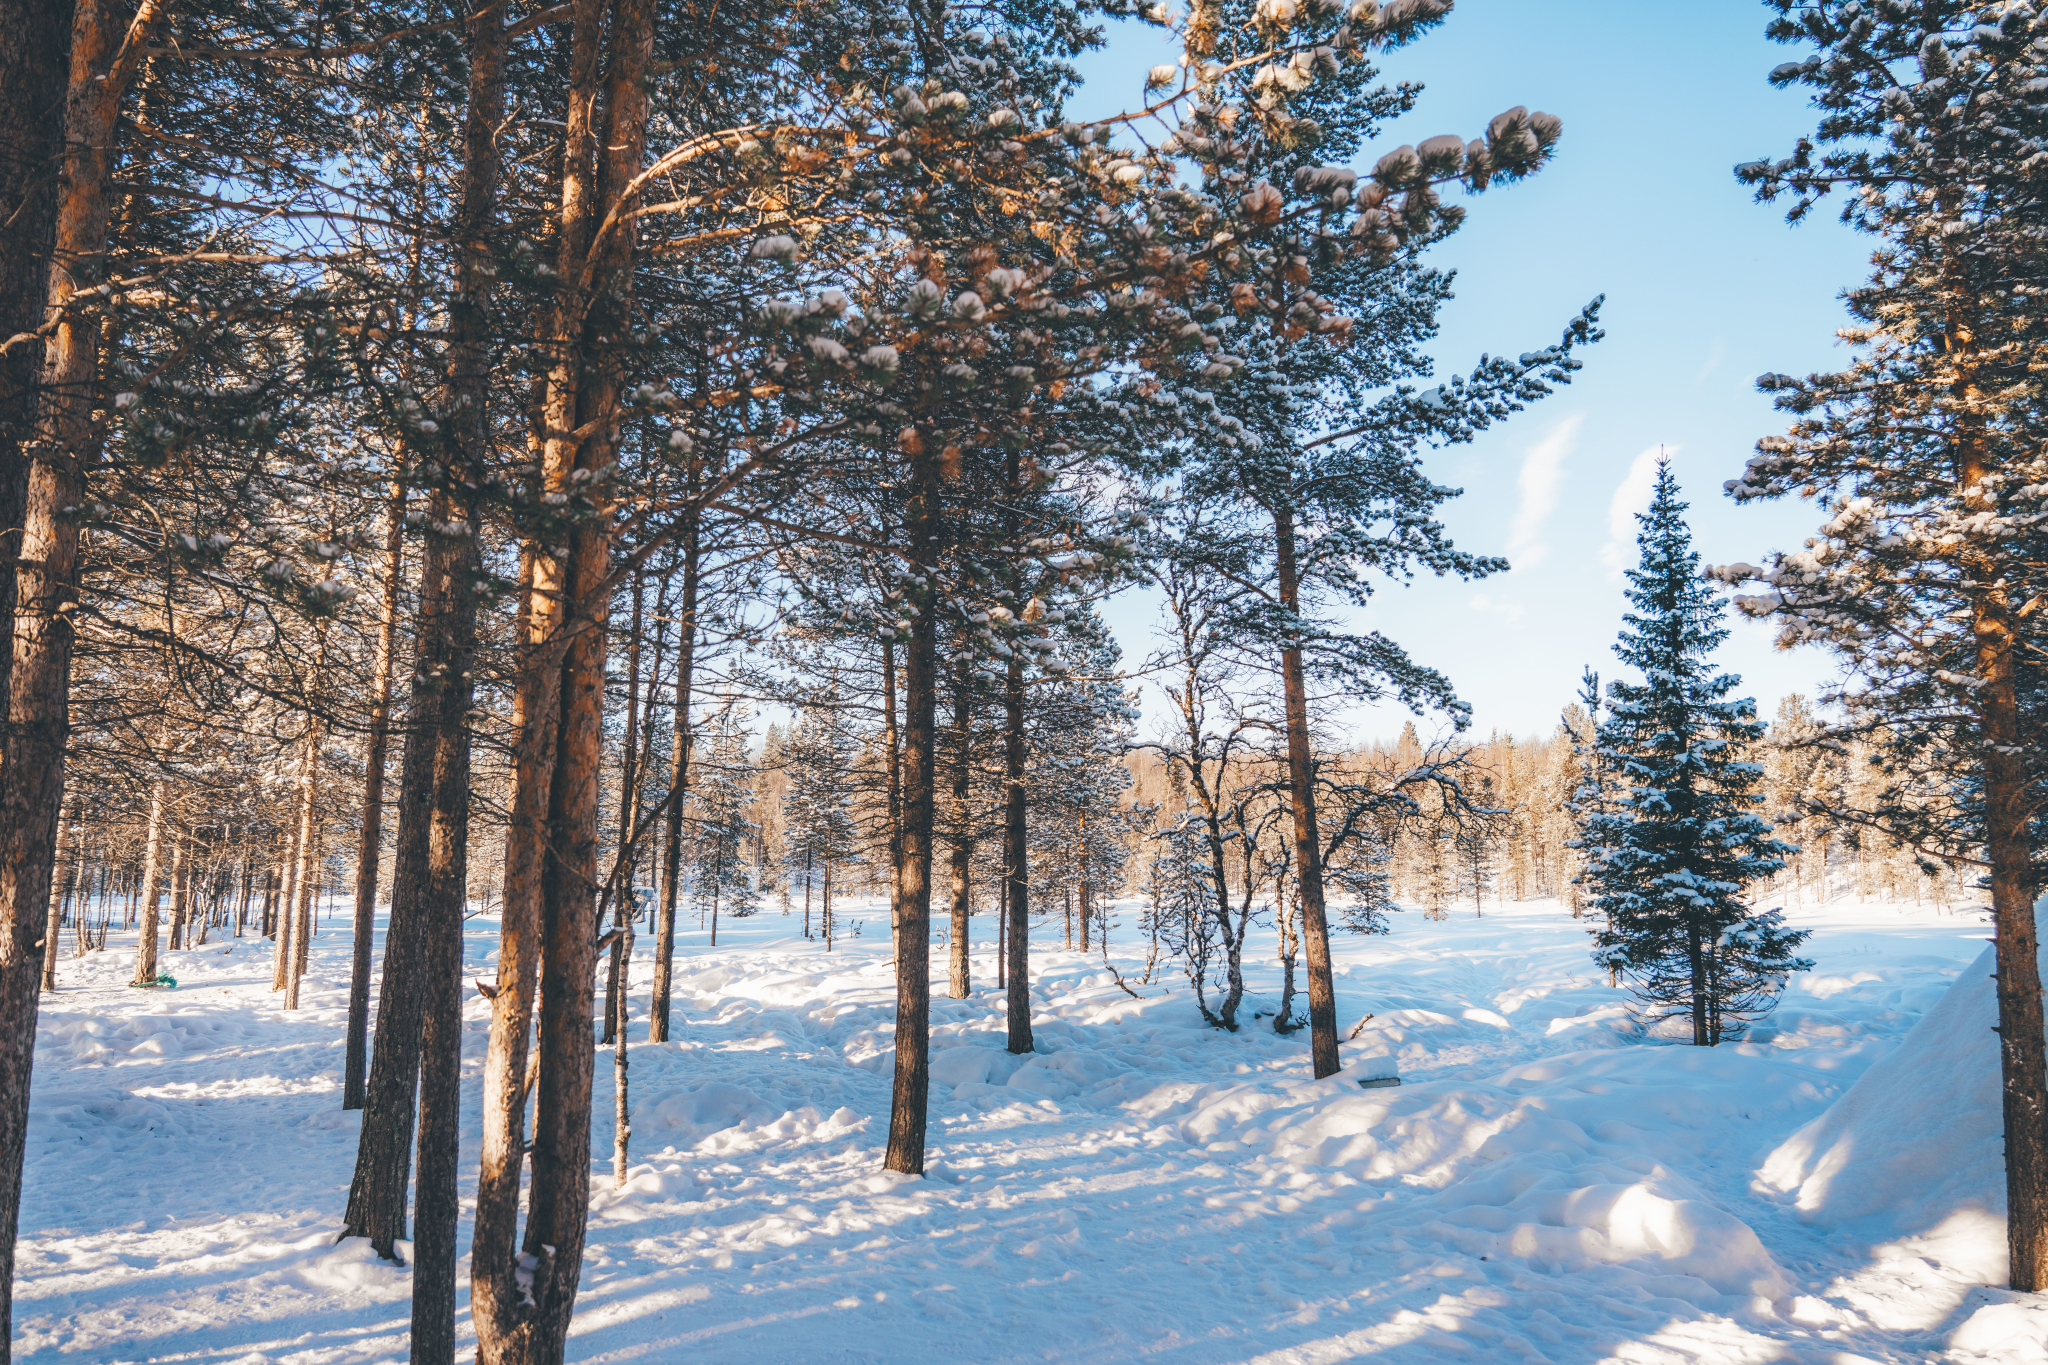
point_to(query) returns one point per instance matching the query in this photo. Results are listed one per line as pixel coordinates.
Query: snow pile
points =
(1918, 1141)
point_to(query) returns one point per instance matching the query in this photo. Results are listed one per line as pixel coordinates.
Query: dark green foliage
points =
(1670, 834)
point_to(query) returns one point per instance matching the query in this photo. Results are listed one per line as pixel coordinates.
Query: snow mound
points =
(718, 1118)
(2014, 1332)
(973, 1066)
(687, 1118)
(1919, 1138)
(1620, 1224)
(352, 1268)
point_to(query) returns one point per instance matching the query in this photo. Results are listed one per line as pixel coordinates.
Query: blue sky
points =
(1705, 290)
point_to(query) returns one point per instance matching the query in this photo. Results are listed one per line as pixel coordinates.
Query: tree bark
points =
(150, 888)
(370, 847)
(678, 785)
(1016, 862)
(1308, 864)
(892, 742)
(419, 1017)
(105, 54)
(440, 887)
(1696, 962)
(2023, 1056)
(522, 1304)
(1081, 887)
(180, 887)
(33, 67)
(629, 811)
(963, 842)
(622, 1108)
(306, 874)
(498, 1300)
(913, 846)
(287, 899)
(58, 891)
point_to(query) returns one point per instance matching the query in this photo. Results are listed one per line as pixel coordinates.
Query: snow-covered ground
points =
(1545, 1186)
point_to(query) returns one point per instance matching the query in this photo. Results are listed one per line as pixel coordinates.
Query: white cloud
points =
(1713, 362)
(1631, 495)
(1511, 612)
(1542, 473)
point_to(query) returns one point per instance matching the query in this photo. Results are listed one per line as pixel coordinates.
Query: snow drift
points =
(1918, 1140)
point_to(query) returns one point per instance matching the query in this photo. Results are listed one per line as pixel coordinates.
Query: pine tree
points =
(817, 808)
(1924, 456)
(1675, 840)
(725, 834)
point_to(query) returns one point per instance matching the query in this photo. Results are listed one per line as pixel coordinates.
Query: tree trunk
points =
(33, 62)
(1696, 961)
(248, 888)
(370, 847)
(522, 1304)
(892, 742)
(678, 786)
(419, 1015)
(180, 888)
(2023, 1057)
(497, 1298)
(59, 890)
(150, 888)
(306, 873)
(1016, 947)
(441, 890)
(273, 885)
(103, 63)
(629, 810)
(287, 899)
(1308, 864)
(622, 1111)
(1016, 862)
(1081, 893)
(963, 841)
(916, 772)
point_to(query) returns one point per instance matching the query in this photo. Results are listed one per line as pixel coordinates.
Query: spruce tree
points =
(1675, 839)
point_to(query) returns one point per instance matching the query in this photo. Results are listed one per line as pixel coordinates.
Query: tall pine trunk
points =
(306, 871)
(1016, 831)
(678, 785)
(1308, 863)
(419, 1018)
(913, 899)
(370, 846)
(105, 54)
(2008, 812)
(522, 1300)
(181, 887)
(892, 743)
(963, 843)
(629, 812)
(60, 889)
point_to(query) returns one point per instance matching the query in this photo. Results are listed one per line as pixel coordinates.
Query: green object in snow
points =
(169, 982)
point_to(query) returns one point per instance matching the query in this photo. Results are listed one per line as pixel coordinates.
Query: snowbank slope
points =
(1918, 1140)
